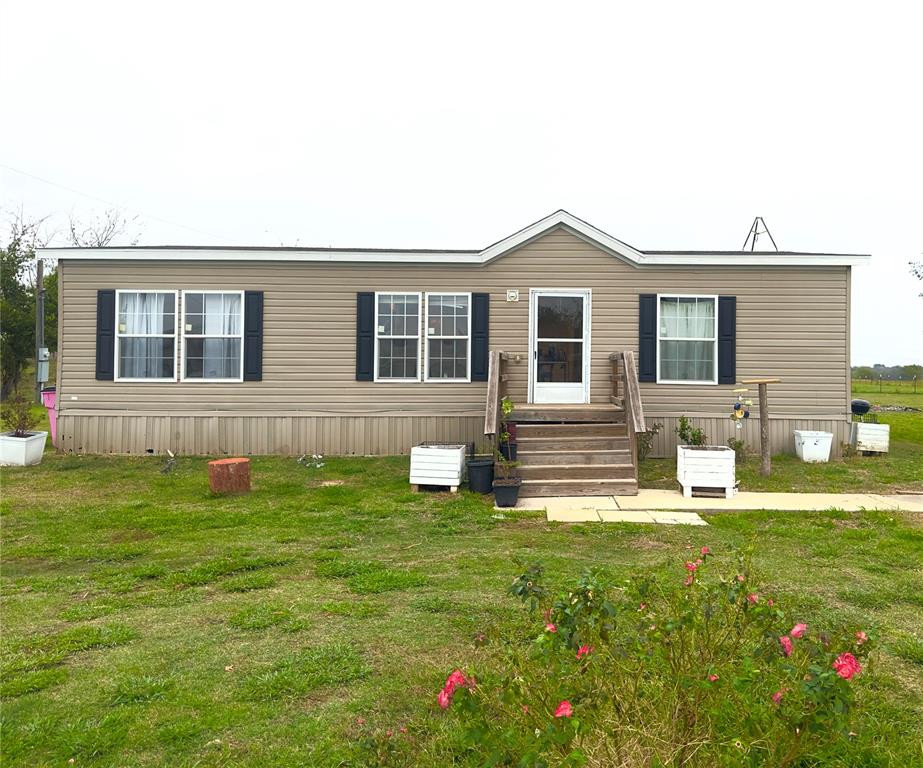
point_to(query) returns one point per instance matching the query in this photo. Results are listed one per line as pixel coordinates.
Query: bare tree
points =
(102, 230)
(916, 269)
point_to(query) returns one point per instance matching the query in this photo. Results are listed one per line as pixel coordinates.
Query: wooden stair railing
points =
(495, 381)
(626, 392)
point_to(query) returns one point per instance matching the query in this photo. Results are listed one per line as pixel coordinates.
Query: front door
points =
(559, 329)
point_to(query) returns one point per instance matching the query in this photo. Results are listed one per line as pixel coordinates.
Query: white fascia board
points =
(532, 232)
(562, 219)
(256, 254)
(768, 259)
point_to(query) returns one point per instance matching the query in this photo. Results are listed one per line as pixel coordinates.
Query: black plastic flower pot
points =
(508, 451)
(506, 492)
(481, 474)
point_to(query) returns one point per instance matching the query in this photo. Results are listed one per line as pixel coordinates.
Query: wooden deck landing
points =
(579, 413)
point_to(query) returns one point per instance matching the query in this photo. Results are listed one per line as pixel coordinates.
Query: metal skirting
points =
(291, 435)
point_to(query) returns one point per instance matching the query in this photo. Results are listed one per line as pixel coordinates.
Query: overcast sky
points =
(444, 125)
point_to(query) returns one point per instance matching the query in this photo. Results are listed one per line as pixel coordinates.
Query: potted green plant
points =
(19, 445)
(506, 481)
(507, 436)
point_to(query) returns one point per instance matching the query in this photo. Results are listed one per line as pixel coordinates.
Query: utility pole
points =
(39, 326)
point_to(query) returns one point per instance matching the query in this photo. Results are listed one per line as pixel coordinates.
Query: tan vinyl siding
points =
(792, 323)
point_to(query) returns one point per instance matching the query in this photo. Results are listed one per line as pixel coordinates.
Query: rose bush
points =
(700, 670)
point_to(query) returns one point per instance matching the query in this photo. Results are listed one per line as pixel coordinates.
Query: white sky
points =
(390, 124)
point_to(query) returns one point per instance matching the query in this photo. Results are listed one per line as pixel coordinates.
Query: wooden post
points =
(229, 476)
(765, 458)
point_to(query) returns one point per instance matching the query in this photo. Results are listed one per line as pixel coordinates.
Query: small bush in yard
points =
(704, 670)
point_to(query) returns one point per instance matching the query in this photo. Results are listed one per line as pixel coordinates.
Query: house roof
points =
(557, 220)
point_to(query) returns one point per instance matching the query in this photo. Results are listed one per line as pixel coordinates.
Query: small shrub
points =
(689, 435)
(739, 447)
(703, 670)
(18, 417)
(646, 440)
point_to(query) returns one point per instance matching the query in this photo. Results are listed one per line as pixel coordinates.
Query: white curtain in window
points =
(145, 349)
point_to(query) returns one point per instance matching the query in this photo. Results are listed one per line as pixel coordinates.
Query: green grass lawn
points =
(900, 470)
(148, 623)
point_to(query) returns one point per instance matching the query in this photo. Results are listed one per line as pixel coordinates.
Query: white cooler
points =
(813, 447)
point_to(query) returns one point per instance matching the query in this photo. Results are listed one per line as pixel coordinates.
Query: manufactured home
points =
(240, 350)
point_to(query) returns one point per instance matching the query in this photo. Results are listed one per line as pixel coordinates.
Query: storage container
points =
(813, 447)
(437, 464)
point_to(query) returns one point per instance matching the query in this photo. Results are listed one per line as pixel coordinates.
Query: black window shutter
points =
(727, 339)
(365, 336)
(480, 335)
(253, 335)
(647, 337)
(105, 335)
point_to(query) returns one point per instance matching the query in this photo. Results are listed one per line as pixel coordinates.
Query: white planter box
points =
(437, 465)
(21, 451)
(870, 437)
(813, 447)
(706, 466)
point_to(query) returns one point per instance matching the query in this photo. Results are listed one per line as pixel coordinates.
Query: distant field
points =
(870, 386)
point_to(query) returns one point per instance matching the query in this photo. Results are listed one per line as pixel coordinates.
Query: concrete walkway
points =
(671, 507)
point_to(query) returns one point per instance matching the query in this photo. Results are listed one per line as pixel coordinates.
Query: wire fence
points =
(893, 386)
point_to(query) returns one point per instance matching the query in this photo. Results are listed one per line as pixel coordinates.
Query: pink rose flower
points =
(777, 696)
(712, 678)
(444, 698)
(741, 578)
(846, 665)
(704, 551)
(861, 637)
(687, 582)
(786, 645)
(770, 602)
(564, 709)
(691, 567)
(549, 627)
(584, 650)
(798, 631)
(753, 598)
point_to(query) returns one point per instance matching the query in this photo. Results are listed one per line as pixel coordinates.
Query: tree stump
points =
(229, 476)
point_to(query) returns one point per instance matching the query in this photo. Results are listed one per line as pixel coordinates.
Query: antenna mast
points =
(759, 228)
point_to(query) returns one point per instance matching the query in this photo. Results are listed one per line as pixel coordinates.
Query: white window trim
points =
(118, 335)
(703, 382)
(182, 357)
(427, 338)
(418, 337)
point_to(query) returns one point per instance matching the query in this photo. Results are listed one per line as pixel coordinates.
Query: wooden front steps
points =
(574, 450)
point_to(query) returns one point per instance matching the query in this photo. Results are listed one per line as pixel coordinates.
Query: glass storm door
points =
(559, 332)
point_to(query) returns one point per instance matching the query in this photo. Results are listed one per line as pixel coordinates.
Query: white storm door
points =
(560, 346)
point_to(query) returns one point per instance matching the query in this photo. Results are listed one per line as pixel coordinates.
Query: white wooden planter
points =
(706, 467)
(437, 465)
(22, 451)
(870, 437)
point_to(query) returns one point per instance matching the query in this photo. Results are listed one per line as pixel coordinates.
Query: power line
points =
(108, 202)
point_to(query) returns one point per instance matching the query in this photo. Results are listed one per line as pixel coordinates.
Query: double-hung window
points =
(145, 335)
(397, 336)
(213, 335)
(687, 338)
(448, 333)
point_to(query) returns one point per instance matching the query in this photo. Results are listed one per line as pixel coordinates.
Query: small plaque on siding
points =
(512, 295)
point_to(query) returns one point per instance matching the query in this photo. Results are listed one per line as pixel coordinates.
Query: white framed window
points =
(145, 335)
(397, 336)
(213, 336)
(448, 337)
(687, 339)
